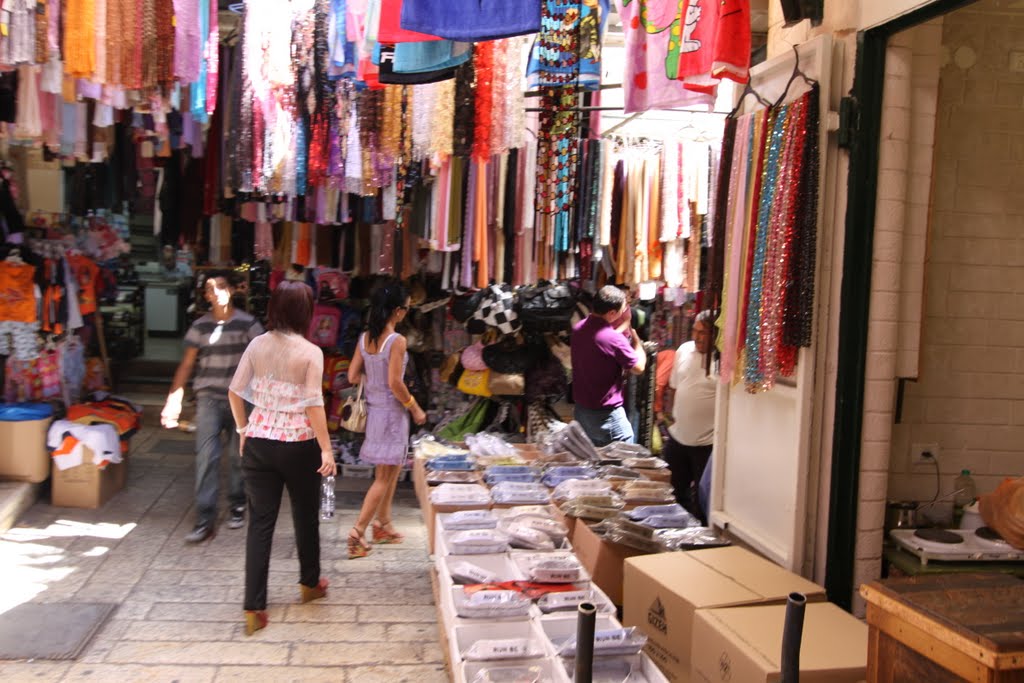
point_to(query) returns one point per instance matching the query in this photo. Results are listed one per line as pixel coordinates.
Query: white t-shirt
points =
(694, 406)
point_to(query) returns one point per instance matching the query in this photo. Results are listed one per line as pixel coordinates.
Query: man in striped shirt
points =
(213, 347)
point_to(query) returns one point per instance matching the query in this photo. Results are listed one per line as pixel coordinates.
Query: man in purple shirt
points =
(602, 354)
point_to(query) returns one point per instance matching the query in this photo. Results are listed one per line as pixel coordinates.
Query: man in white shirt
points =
(692, 398)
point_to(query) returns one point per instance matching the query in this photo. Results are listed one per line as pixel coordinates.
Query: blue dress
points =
(387, 422)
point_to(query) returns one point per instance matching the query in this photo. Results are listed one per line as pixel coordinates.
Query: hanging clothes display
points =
(770, 227)
(471, 20)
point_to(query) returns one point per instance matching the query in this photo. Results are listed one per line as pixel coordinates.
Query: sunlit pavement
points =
(180, 606)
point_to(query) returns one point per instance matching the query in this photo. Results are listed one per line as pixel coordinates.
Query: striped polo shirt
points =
(220, 344)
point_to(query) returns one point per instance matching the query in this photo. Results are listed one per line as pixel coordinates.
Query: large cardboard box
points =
(23, 454)
(745, 644)
(663, 592)
(602, 559)
(87, 486)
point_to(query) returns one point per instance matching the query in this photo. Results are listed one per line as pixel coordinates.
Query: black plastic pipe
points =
(585, 623)
(792, 634)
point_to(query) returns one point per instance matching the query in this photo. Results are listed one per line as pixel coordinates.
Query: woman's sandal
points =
(255, 620)
(382, 535)
(356, 545)
(315, 593)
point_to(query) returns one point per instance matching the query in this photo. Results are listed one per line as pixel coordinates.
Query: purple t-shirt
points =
(600, 358)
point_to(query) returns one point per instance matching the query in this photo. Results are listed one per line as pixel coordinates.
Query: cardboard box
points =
(23, 454)
(745, 644)
(87, 486)
(602, 559)
(663, 592)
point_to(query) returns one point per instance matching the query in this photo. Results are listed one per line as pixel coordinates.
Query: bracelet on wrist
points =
(241, 430)
(408, 404)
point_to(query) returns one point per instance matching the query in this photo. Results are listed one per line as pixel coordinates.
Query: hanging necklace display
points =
(559, 125)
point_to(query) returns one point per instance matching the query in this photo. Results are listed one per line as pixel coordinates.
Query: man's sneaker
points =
(237, 520)
(200, 533)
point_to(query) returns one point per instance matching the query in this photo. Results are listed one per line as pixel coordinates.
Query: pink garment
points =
(264, 241)
(187, 41)
(737, 222)
(50, 114)
(647, 82)
(28, 123)
(53, 13)
(212, 60)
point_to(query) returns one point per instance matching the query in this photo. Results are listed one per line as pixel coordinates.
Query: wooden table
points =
(945, 628)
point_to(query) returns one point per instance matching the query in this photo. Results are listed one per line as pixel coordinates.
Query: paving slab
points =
(179, 614)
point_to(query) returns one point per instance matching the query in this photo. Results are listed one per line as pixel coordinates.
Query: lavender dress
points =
(387, 422)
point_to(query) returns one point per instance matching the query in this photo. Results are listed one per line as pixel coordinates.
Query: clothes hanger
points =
(797, 71)
(748, 89)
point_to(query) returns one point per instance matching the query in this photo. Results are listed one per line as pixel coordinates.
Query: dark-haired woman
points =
(379, 363)
(284, 443)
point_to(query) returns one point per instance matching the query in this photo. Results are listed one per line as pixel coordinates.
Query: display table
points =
(946, 627)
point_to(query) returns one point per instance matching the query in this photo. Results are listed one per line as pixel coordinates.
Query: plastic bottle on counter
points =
(964, 484)
(327, 499)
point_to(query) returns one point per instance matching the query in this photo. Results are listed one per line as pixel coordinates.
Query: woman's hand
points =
(241, 445)
(418, 416)
(327, 466)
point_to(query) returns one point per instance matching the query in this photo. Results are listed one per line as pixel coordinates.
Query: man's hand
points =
(172, 411)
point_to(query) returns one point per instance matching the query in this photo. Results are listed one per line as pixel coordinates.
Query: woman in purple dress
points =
(379, 363)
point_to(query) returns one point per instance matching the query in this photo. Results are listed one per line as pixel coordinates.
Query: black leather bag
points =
(546, 307)
(465, 304)
(509, 357)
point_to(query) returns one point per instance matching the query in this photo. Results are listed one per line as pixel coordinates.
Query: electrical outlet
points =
(918, 451)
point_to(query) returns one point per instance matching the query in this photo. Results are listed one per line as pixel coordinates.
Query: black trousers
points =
(687, 464)
(269, 466)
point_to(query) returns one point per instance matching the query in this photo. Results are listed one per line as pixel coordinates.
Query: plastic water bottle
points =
(327, 498)
(967, 493)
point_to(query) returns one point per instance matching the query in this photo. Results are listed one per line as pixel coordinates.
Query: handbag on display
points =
(475, 383)
(472, 357)
(465, 304)
(502, 384)
(470, 422)
(498, 309)
(546, 379)
(560, 350)
(509, 356)
(547, 307)
(448, 368)
(353, 413)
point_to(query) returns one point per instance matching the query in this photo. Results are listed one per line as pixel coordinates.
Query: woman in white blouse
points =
(284, 443)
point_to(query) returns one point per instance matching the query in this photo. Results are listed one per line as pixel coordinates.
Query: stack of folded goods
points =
(524, 474)
(460, 495)
(645, 492)
(519, 493)
(572, 439)
(507, 576)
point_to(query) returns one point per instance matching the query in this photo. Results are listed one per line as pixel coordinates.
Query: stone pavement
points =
(180, 607)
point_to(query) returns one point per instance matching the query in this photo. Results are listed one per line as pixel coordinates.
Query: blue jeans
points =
(213, 418)
(606, 425)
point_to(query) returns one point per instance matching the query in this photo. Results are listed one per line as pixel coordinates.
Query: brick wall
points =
(969, 397)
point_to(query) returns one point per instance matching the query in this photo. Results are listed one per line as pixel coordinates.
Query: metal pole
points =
(585, 623)
(792, 634)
